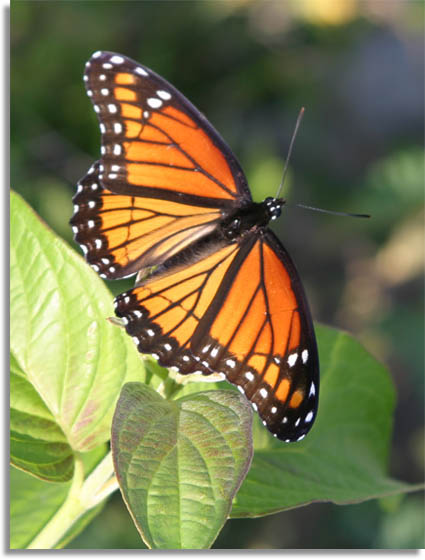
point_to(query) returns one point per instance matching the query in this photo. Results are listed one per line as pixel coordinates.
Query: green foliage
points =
(180, 460)
(34, 502)
(405, 528)
(394, 189)
(180, 463)
(344, 458)
(28, 513)
(60, 337)
(37, 444)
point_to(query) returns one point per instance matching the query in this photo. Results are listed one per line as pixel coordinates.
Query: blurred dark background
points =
(358, 69)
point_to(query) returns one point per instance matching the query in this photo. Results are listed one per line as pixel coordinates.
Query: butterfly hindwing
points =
(238, 312)
(122, 235)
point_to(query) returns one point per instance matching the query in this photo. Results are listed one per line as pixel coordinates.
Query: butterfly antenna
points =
(334, 212)
(285, 169)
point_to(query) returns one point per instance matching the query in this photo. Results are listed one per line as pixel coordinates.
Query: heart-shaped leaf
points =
(179, 463)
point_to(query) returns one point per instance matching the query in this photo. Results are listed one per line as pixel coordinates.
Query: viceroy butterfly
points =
(215, 292)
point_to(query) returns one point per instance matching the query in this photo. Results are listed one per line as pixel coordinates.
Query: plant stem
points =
(66, 515)
(100, 483)
(83, 495)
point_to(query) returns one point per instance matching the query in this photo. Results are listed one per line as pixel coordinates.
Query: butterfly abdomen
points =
(234, 227)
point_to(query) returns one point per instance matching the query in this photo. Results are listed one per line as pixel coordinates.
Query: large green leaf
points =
(344, 457)
(72, 356)
(179, 463)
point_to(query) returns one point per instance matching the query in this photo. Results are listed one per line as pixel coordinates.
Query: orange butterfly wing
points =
(154, 142)
(122, 235)
(236, 311)
(165, 179)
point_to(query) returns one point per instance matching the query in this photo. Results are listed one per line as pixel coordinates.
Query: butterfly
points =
(216, 291)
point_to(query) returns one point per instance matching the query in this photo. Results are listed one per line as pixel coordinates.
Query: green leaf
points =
(28, 513)
(34, 502)
(37, 444)
(179, 463)
(72, 356)
(344, 457)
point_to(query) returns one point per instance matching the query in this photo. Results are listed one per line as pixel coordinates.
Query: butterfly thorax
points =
(255, 215)
(234, 227)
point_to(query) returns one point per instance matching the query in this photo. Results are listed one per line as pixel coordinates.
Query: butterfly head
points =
(253, 216)
(273, 207)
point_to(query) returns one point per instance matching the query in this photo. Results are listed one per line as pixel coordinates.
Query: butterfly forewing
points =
(154, 142)
(215, 292)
